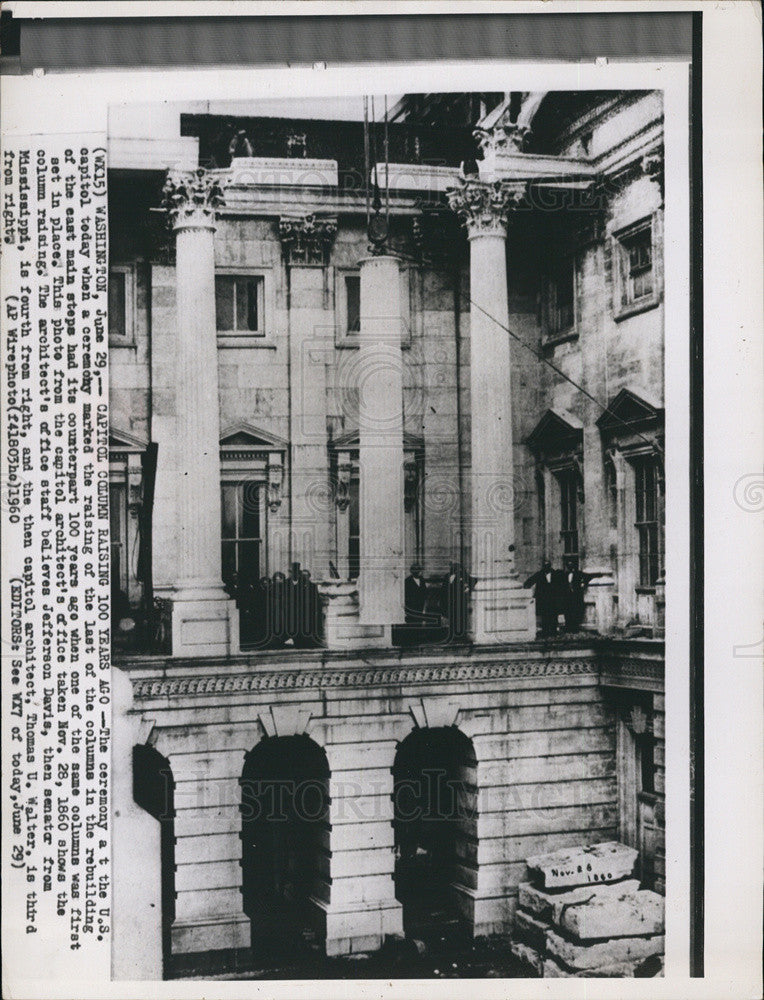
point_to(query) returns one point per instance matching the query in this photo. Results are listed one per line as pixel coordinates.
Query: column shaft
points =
(204, 620)
(501, 609)
(380, 425)
(199, 423)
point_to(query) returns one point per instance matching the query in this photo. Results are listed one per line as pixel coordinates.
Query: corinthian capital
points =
(191, 197)
(307, 240)
(483, 206)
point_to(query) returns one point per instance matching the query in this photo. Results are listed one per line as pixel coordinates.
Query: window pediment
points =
(122, 441)
(558, 431)
(349, 442)
(246, 436)
(630, 411)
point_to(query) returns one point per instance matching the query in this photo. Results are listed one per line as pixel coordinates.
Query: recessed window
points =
(569, 498)
(120, 304)
(636, 279)
(240, 304)
(243, 533)
(561, 298)
(352, 304)
(648, 489)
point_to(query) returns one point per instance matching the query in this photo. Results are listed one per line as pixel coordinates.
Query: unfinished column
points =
(380, 443)
(204, 620)
(501, 608)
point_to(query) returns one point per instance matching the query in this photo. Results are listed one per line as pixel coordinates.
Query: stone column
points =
(204, 620)
(501, 608)
(380, 444)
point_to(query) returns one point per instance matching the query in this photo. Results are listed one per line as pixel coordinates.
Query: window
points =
(347, 291)
(561, 298)
(118, 535)
(120, 304)
(239, 304)
(352, 303)
(569, 487)
(636, 285)
(649, 508)
(354, 539)
(611, 493)
(243, 532)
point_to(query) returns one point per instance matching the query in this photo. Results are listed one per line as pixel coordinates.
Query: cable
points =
(546, 361)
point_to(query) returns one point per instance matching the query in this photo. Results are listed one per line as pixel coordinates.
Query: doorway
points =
(435, 823)
(285, 837)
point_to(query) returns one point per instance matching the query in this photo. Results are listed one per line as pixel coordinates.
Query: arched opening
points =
(285, 843)
(154, 791)
(435, 821)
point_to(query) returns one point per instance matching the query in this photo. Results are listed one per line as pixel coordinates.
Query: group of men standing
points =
(446, 604)
(560, 592)
(280, 610)
(557, 592)
(287, 609)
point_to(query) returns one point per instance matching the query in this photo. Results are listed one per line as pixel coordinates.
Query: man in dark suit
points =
(415, 596)
(576, 583)
(455, 603)
(550, 596)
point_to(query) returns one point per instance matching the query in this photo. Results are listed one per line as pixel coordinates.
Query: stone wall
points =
(542, 735)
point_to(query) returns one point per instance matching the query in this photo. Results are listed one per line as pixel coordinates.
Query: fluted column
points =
(203, 618)
(380, 443)
(501, 609)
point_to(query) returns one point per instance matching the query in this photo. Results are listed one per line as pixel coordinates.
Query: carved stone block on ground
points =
(630, 915)
(622, 970)
(612, 952)
(529, 931)
(542, 904)
(529, 955)
(573, 866)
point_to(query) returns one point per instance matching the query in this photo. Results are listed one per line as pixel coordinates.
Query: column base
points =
(485, 914)
(502, 611)
(205, 627)
(354, 931)
(599, 604)
(342, 626)
(212, 933)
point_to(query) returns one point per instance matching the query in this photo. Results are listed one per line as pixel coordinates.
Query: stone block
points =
(213, 934)
(630, 915)
(530, 931)
(195, 906)
(623, 970)
(615, 951)
(605, 862)
(215, 875)
(361, 889)
(544, 904)
(529, 955)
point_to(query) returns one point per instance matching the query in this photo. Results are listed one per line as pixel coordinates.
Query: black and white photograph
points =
(387, 488)
(381, 492)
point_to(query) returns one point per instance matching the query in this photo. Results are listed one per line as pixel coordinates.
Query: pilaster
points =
(306, 243)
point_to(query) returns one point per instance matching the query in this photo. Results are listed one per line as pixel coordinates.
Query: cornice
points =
(201, 686)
